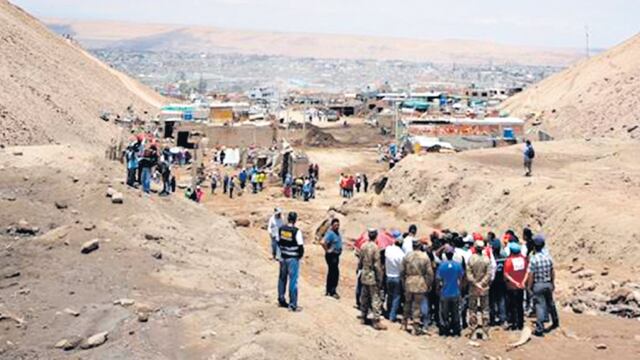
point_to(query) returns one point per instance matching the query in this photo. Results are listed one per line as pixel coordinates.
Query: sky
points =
(543, 23)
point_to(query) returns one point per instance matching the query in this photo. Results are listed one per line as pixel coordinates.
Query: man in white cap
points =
(479, 278)
(275, 223)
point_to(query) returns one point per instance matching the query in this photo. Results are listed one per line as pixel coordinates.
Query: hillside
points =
(153, 37)
(596, 97)
(53, 91)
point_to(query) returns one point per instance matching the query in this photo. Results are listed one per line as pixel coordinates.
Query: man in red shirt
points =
(515, 276)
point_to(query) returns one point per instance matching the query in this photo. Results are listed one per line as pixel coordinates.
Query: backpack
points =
(531, 153)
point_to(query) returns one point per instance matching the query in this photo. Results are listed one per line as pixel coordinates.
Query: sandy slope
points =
(584, 195)
(596, 97)
(52, 91)
(154, 37)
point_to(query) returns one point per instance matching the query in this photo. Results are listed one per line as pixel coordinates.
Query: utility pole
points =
(586, 35)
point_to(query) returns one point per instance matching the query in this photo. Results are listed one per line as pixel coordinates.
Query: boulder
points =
(157, 255)
(110, 191)
(24, 228)
(242, 222)
(124, 302)
(117, 198)
(90, 246)
(71, 312)
(379, 184)
(60, 205)
(94, 340)
(69, 343)
(620, 295)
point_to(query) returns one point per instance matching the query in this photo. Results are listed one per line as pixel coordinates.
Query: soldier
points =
(417, 277)
(371, 280)
(479, 278)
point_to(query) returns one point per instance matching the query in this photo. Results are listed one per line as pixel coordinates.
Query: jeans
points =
(424, 309)
(394, 289)
(515, 299)
(275, 249)
(131, 176)
(333, 272)
(289, 270)
(166, 186)
(497, 303)
(450, 315)
(146, 179)
(545, 306)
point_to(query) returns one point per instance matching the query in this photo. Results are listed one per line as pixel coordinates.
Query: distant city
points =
(180, 74)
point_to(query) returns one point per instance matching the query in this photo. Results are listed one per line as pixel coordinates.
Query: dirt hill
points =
(155, 37)
(53, 91)
(596, 97)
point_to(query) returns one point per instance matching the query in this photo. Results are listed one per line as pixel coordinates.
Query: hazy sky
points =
(526, 22)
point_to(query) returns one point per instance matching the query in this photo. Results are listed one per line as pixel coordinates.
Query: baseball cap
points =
(277, 211)
(479, 243)
(477, 236)
(539, 240)
(514, 248)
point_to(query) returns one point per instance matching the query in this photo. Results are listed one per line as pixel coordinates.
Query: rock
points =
(124, 302)
(207, 334)
(379, 184)
(578, 308)
(242, 222)
(157, 255)
(143, 316)
(152, 237)
(90, 246)
(601, 346)
(89, 227)
(586, 274)
(117, 198)
(24, 228)
(506, 192)
(550, 187)
(11, 274)
(576, 268)
(18, 153)
(473, 343)
(604, 273)
(61, 205)
(69, 344)
(71, 312)
(75, 179)
(110, 192)
(620, 295)
(95, 340)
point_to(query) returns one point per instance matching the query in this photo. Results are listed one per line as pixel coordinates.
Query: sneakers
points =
(283, 304)
(295, 308)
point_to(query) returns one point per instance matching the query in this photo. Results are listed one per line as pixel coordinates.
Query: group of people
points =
(350, 184)
(145, 162)
(301, 187)
(459, 280)
(254, 177)
(449, 279)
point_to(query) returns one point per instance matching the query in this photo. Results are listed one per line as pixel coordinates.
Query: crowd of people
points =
(145, 163)
(349, 184)
(253, 179)
(451, 280)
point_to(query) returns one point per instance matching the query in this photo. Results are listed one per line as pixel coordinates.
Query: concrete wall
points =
(232, 136)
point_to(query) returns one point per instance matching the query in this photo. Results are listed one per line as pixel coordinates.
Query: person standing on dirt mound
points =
(529, 154)
(332, 245)
(450, 275)
(275, 223)
(371, 280)
(291, 247)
